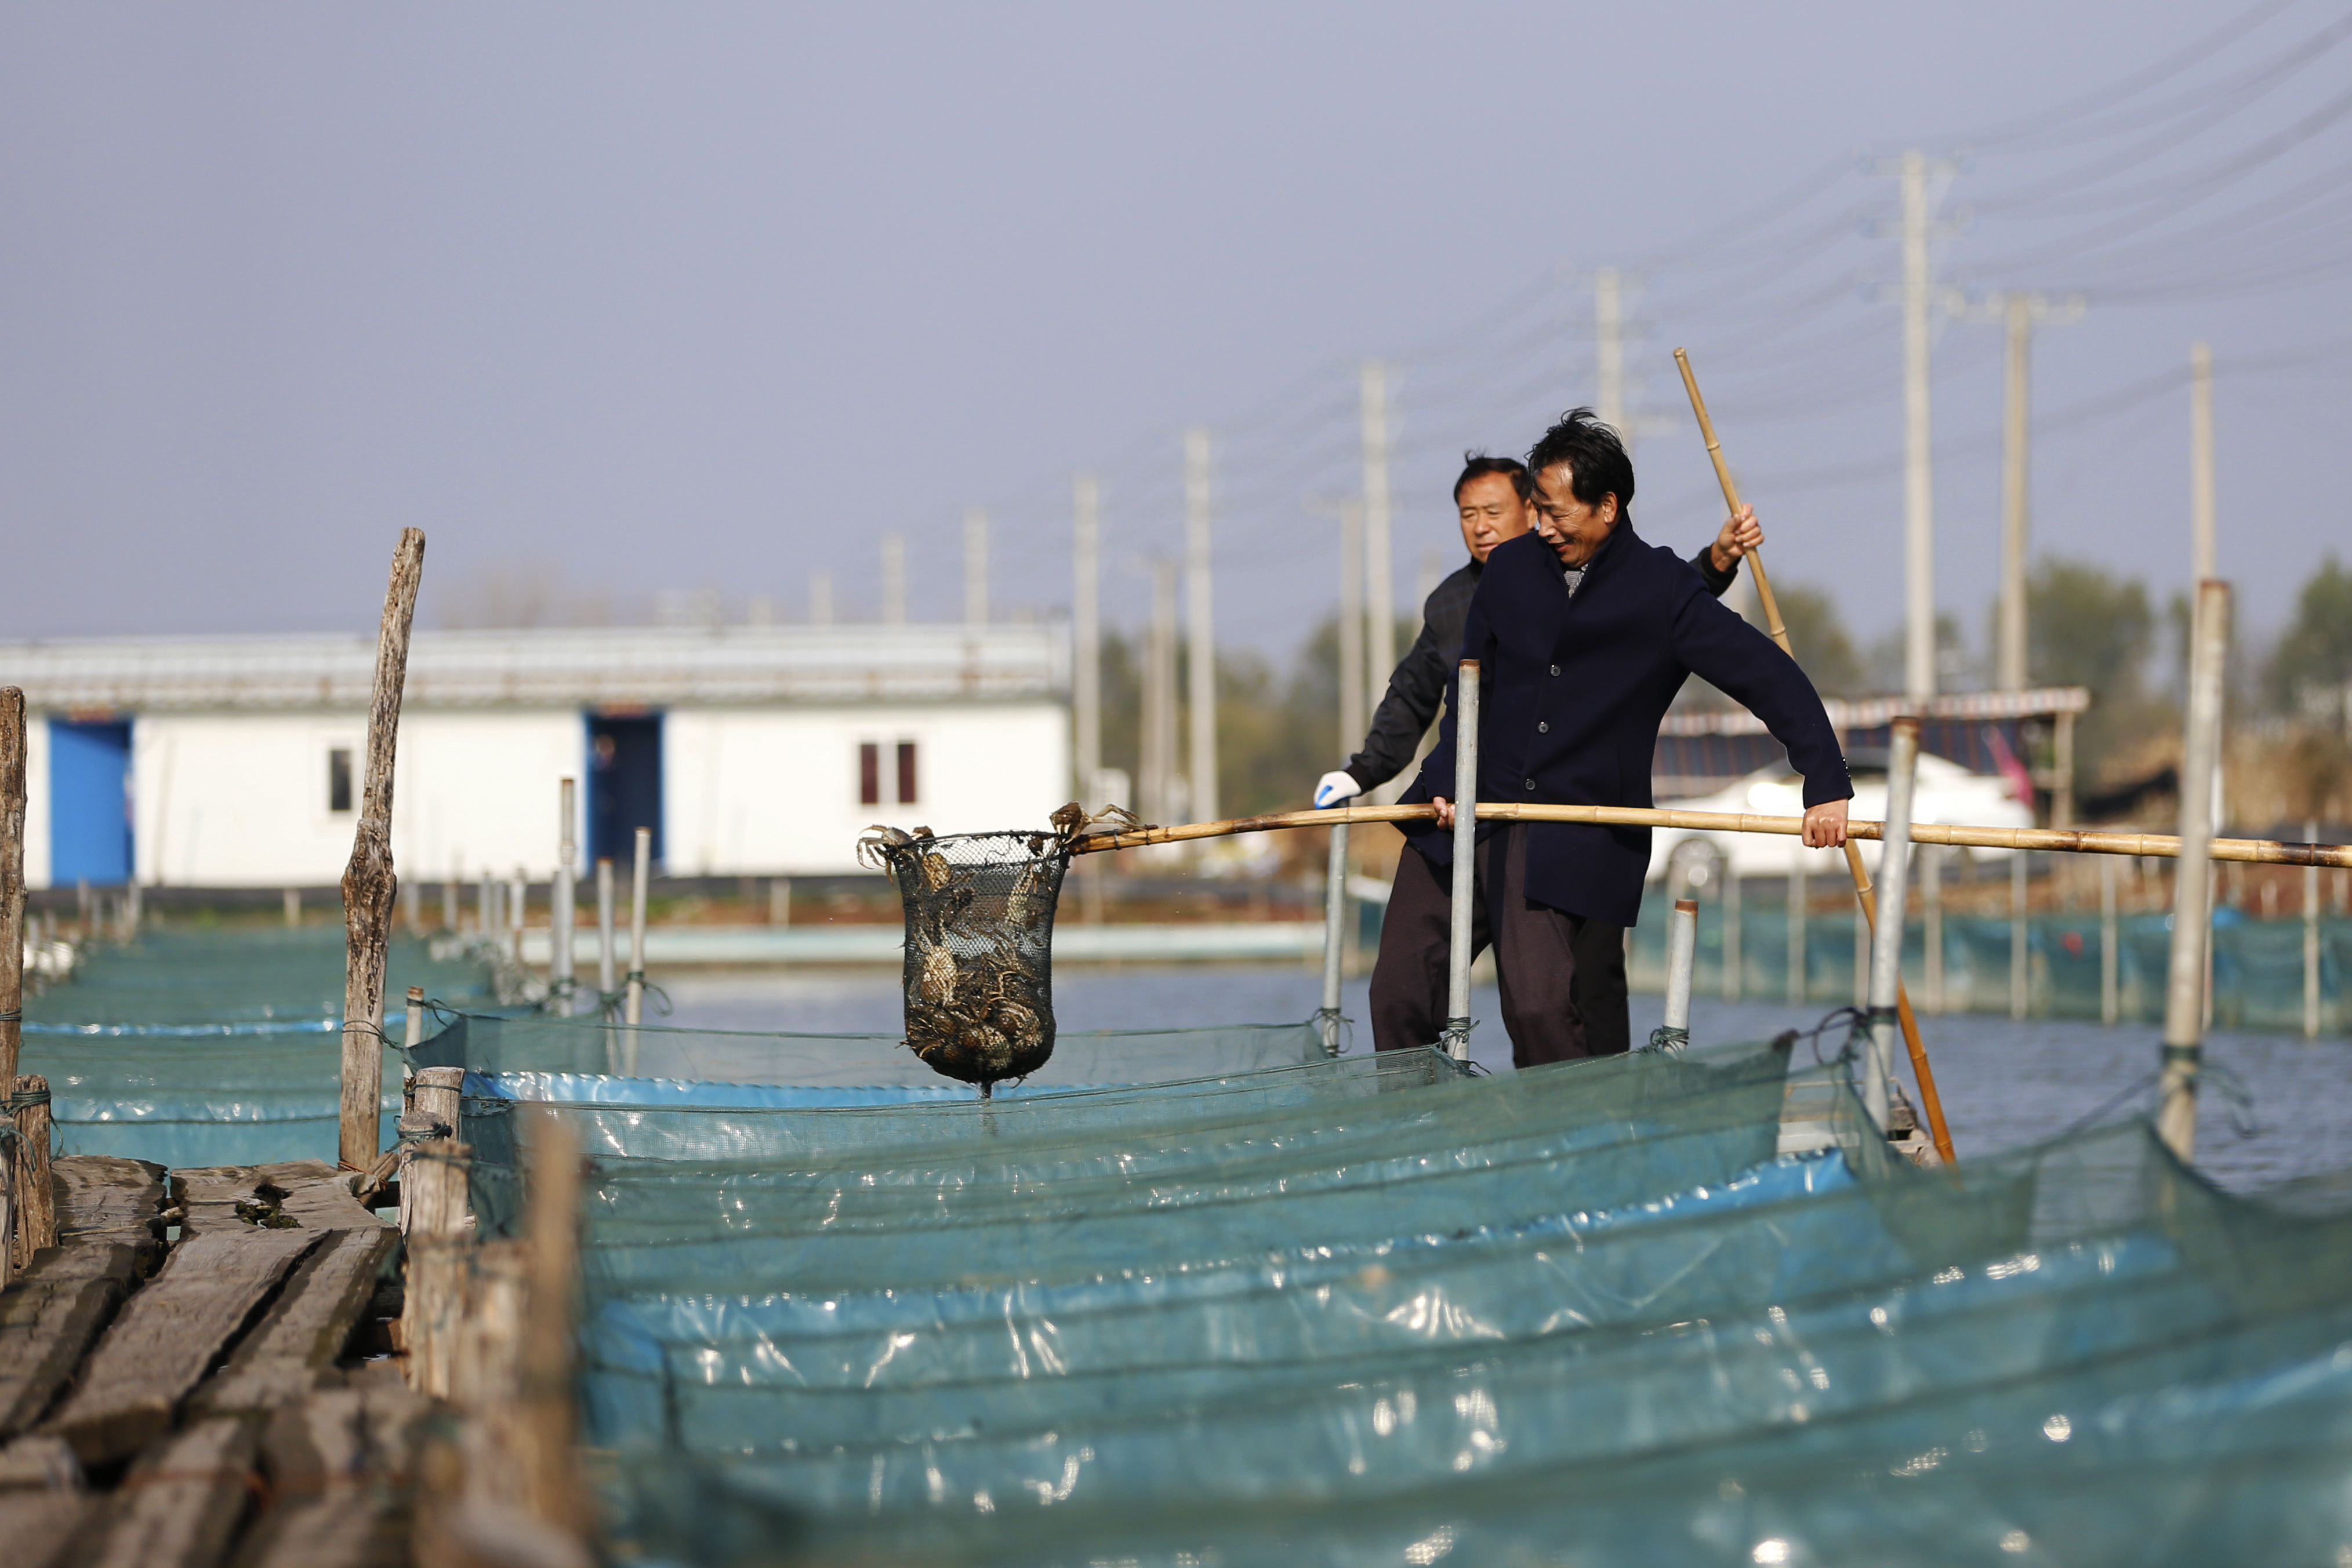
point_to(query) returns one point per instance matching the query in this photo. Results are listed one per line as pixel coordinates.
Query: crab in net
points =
(979, 921)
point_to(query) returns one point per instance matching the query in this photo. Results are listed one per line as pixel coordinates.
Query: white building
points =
(751, 750)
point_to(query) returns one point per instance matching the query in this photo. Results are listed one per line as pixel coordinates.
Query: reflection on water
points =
(2003, 1083)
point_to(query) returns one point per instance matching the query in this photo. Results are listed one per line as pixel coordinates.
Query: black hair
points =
(1595, 456)
(1477, 465)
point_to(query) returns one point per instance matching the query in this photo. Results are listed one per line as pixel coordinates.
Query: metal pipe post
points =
(1682, 962)
(1931, 907)
(518, 914)
(1797, 913)
(2020, 976)
(1335, 917)
(2311, 940)
(1733, 962)
(1886, 947)
(411, 1037)
(2110, 951)
(634, 1007)
(607, 973)
(2192, 913)
(559, 908)
(1465, 859)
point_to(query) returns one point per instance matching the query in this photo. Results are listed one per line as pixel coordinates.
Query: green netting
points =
(2257, 964)
(541, 1043)
(1585, 1314)
(216, 1047)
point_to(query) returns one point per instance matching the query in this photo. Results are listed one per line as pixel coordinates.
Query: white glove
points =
(1333, 788)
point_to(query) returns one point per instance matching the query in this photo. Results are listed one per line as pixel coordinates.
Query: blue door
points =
(625, 792)
(89, 802)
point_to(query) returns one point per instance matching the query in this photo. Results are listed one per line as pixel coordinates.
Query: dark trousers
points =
(1562, 977)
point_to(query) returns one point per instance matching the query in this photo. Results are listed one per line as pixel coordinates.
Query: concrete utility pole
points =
(1201, 630)
(1353, 717)
(2204, 548)
(2188, 976)
(1609, 338)
(820, 598)
(1085, 635)
(1379, 565)
(975, 568)
(1159, 739)
(1918, 472)
(894, 579)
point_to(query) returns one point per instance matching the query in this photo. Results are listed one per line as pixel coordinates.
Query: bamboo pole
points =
(1779, 632)
(369, 884)
(2058, 840)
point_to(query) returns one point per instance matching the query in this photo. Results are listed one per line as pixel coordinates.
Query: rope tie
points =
(14, 1015)
(1667, 1041)
(26, 1098)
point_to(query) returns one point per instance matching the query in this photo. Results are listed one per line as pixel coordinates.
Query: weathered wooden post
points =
(369, 883)
(433, 1218)
(2188, 974)
(29, 1222)
(557, 1495)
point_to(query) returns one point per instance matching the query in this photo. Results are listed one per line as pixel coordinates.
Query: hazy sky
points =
(635, 298)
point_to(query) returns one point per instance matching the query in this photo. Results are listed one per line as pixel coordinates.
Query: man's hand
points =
(1334, 787)
(1734, 539)
(1444, 812)
(1826, 824)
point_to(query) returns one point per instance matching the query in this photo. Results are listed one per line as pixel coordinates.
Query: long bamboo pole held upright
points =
(369, 883)
(1931, 1102)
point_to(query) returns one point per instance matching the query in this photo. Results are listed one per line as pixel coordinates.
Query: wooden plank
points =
(197, 1307)
(49, 1319)
(306, 1329)
(181, 1503)
(104, 1197)
(290, 1195)
(40, 1527)
(39, 1464)
(341, 1466)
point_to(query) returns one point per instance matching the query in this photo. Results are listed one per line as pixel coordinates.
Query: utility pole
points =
(975, 568)
(1158, 738)
(1380, 566)
(1918, 472)
(894, 579)
(1352, 716)
(1085, 635)
(2204, 547)
(1201, 658)
(1609, 335)
(2018, 313)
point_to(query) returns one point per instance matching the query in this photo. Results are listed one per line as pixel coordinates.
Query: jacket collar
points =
(1612, 548)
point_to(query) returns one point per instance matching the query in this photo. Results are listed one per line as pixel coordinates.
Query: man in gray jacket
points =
(1491, 497)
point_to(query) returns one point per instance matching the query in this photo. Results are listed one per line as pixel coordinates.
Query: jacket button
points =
(1543, 727)
(1555, 669)
(1531, 783)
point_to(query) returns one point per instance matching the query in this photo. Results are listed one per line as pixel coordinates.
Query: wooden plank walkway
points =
(176, 1397)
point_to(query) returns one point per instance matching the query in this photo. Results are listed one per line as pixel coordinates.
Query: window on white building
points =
(869, 773)
(339, 779)
(906, 772)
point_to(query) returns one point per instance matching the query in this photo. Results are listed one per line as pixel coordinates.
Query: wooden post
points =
(369, 883)
(2188, 976)
(432, 1217)
(557, 1496)
(12, 946)
(1465, 859)
(36, 1206)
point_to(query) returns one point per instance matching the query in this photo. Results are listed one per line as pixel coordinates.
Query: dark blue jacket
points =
(1571, 694)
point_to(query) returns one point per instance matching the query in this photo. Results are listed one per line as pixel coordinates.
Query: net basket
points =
(979, 946)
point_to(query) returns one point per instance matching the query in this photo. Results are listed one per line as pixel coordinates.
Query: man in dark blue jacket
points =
(1492, 497)
(1583, 635)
